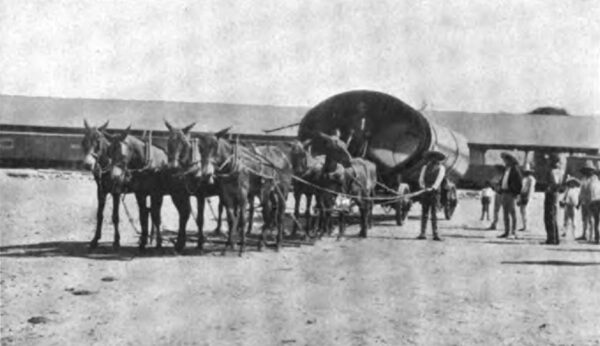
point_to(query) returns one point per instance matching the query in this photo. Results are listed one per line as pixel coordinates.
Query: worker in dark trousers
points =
(554, 182)
(511, 184)
(430, 180)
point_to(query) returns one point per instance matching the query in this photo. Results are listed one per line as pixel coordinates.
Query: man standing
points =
(553, 181)
(432, 175)
(510, 187)
(526, 193)
(497, 196)
(585, 199)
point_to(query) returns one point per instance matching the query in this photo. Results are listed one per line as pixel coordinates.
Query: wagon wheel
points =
(402, 206)
(450, 203)
(312, 230)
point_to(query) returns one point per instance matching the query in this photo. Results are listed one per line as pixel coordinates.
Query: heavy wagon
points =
(395, 137)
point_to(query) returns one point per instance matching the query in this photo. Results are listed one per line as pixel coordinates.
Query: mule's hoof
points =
(362, 235)
(116, 245)
(179, 247)
(93, 244)
(142, 248)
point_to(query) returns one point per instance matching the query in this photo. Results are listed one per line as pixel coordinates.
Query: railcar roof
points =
(495, 129)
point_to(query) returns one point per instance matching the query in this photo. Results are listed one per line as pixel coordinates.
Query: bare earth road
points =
(471, 289)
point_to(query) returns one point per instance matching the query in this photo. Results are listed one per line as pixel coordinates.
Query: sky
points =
(469, 55)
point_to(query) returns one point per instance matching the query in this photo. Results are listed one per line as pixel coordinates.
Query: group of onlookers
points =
(515, 187)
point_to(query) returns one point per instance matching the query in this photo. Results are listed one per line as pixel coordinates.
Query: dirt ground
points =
(470, 289)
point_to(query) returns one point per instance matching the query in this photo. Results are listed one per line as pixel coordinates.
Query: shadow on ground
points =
(105, 251)
(553, 263)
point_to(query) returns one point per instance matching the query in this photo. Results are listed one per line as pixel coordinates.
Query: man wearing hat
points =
(430, 180)
(526, 193)
(569, 202)
(510, 187)
(497, 195)
(554, 181)
(585, 198)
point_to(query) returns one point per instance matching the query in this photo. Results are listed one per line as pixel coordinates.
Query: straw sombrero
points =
(509, 157)
(574, 180)
(435, 155)
(588, 167)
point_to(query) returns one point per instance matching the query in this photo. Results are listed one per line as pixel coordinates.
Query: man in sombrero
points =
(590, 179)
(554, 181)
(510, 187)
(430, 180)
(526, 194)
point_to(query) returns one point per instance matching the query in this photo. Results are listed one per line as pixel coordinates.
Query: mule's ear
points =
(168, 126)
(306, 143)
(188, 128)
(103, 127)
(85, 123)
(124, 134)
(223, 132)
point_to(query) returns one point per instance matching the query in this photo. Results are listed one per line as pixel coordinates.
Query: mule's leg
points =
(250, 213)
(156, 206)
(219, 217)
(233, 227)
(364, 215)
(266, 209)
(241, 225)
(101, 195)
(279, 215)
(307, 214)
(143, 212)
(200, 202)
(182, 203)
(115, 219)
(342, 225)
(297, 197)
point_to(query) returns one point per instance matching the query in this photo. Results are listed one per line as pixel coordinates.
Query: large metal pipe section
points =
(387, 131)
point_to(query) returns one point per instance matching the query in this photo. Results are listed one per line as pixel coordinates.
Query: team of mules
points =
(216, 164)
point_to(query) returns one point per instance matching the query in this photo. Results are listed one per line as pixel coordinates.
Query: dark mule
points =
(357, 179)
(139, 168)
(219, 161)
(96, 159)
(307, 168)
(271, 181)
(188, 181)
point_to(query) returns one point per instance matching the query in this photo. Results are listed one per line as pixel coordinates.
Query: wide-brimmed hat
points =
(554, 158)
(509, 157)
(588, 167)
(527, 168)
(435, 155)
(573, 180)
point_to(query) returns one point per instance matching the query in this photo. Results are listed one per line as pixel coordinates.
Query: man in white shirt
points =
(430, 180)
(526, 194)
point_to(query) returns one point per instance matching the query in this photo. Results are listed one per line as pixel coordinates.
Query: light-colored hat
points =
(588, 167)
(573, 180)
(435, 155)
(509, 157)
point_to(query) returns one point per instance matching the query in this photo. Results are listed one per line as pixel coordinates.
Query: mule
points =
(139, 169)
(96, 159)
(241, 174)
(186, 168)
(357, 178)
(308, 168)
